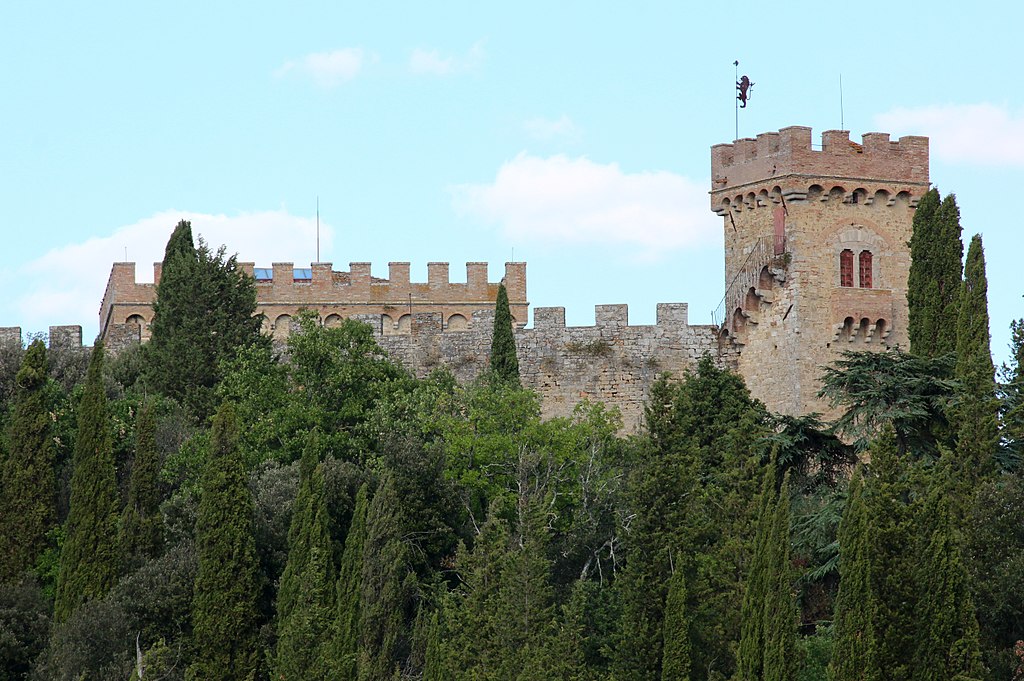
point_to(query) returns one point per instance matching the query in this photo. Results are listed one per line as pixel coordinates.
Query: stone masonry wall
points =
(610, 362)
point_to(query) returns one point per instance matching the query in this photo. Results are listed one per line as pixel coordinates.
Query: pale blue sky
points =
(575, 135)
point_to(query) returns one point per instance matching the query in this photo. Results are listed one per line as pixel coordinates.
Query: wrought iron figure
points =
(743, 88)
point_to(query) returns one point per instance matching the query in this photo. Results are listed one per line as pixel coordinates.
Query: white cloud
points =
(65, 286)
(982, 134)
(561, 200)
(545, 129)
(327, 69)
(431, 62)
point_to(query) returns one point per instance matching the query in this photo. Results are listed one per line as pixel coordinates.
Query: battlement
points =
(789, 152)
(64, 337)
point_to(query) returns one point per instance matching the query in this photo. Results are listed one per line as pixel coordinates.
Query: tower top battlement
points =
(789, 152)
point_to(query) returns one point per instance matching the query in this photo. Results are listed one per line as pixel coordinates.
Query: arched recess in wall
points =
(139, 321)
(739, 325)
(387, 324)
(457, 322)
(332, 321)
(266, 327)
(404, 324)
(282, 326)
(856, 252)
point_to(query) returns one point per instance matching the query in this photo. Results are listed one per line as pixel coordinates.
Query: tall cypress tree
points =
(977, 411)
(306, 597)
(676, 655)
(750, 654)
(382, 600)
(1012, 393)
(504, 362)
(854, 653)
(28, 504)
(224, 604)
(345, 634)
(89, 559)
(933, 285)
(780, 613)
(203, 314)
(141, 530)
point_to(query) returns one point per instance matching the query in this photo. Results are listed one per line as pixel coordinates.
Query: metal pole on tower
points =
(736, 102)
(318, 228)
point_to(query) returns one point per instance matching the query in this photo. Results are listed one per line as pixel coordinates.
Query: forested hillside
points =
(209, 507)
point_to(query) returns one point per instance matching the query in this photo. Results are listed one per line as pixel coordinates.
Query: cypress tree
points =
(750, 655)
(933, 285)
(676, 652)
(977, 410)
(504, 362)
(1012, 393)
(947, 629)
(224, 604)
(203, 315)
(382, 599)
(89, 559)
(350, 579)
(141, 530)
(780, 613)
(29, 499)
(853, 655)
(305, 599)
(434, 668)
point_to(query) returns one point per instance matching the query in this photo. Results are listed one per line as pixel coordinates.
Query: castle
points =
(816, 262)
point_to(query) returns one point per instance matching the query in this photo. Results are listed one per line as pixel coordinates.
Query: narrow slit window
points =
(846, 268)
(865, 269)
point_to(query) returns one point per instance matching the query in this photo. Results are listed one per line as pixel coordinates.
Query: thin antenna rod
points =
(736, 65)
(318, 228)
(842, 117)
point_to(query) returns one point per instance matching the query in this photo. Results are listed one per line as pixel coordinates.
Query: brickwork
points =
(787, 307)
(334, 295)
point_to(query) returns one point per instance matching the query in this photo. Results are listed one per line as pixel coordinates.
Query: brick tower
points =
(816, 254)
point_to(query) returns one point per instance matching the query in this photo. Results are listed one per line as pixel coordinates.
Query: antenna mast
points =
(842, 119)
(318, 228)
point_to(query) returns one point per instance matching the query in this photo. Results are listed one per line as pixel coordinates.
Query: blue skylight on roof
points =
(263, 273)
(303, 273)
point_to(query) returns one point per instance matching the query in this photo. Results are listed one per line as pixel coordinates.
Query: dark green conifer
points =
(1012, 393)
(853, 655)
(383, 598)
(225, 617)
(434, 668)
(933, 285)
(504, 362)
(89, 560)
(780, 613)
(203, 314)
(977, 410)
(141, 530)
(676, 653)
(27, 477)
(750, 654)
(345, 634)
(306, 598)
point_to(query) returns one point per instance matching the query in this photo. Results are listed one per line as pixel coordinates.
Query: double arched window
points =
(846, 268)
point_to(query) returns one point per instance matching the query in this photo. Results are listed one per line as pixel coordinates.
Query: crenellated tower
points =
(816, 252)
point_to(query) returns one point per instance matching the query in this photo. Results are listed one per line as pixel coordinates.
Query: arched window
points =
(865, 269)
(846, 267)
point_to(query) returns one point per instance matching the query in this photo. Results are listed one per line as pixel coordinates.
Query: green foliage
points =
(345, 633)
(24, 626)
(1011, 454)
(676, 654)
(976, 412)
(89, 561)
(780, 612)
(504, 362)
(224, 611)
(203, 315)
(141, 528)
(853, 653)
(933, 284)
(877, 390)
(306, 598)
(27, 470)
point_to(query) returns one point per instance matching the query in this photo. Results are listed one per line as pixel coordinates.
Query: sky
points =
(574, 136)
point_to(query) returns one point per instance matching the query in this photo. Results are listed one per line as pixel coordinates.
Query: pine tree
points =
(977, 410)
(224, 606)
(1012, 407)
(27, 477)
(345, 633)
(203, 315)
(933, 285)
(305, 599)
(504, 362)
(89, 559)
(141, 529)
(676, 653)
(383, 599)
